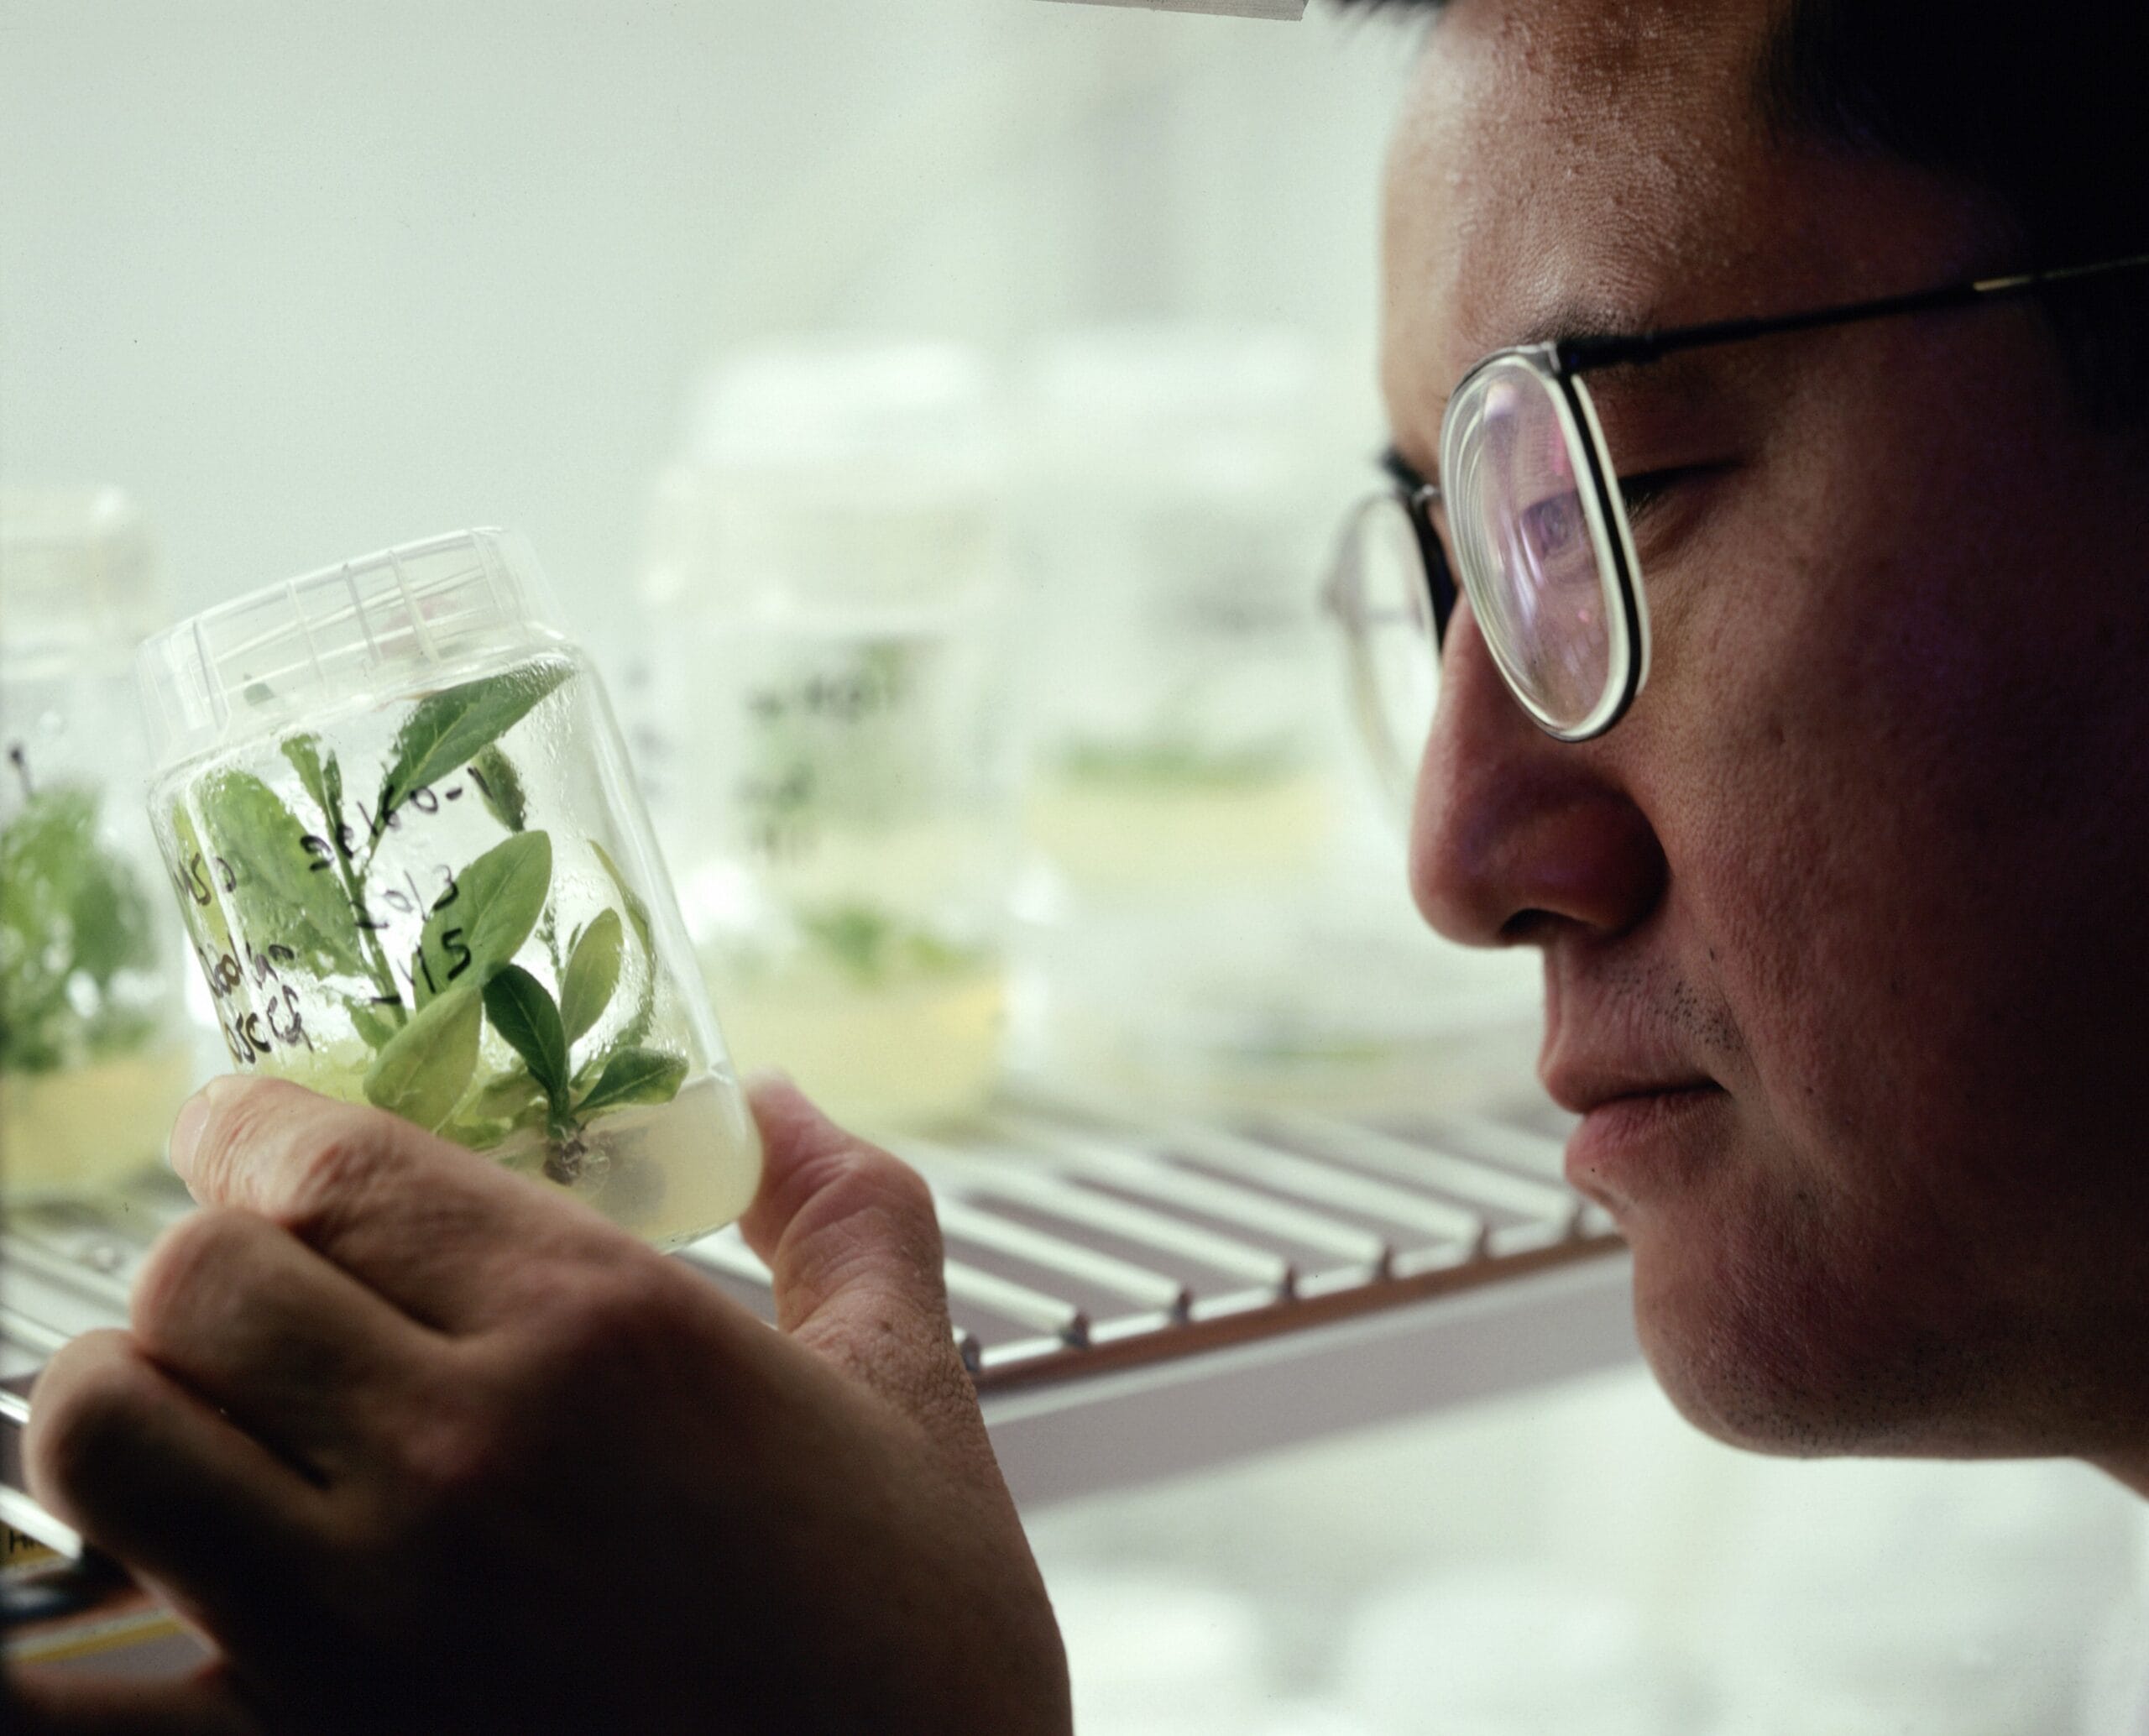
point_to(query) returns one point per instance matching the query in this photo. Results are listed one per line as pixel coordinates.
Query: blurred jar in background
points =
(827, 724)
(95, 1047)
(1194, 927)
(1181, 726)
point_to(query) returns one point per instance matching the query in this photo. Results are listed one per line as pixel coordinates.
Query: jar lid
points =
(840, 474)
(76, 570)
(1234, 412)
(406, 617)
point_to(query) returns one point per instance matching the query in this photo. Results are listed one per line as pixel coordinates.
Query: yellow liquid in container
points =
(664, 1173)
(1118, 835)
(910, 1052)
(74, 1133)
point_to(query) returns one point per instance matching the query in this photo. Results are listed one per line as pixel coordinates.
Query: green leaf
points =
(374, 1024)
(423, 1071)
(636, 1075)
(422, 989)
(496, 902)
(473, 1135)
(507, 1097)
(592, 974)
(644, 1012)
(508, 887)
(447, 729)
(499, 788)
(524, 1014)
(304, 752)
(280, 895)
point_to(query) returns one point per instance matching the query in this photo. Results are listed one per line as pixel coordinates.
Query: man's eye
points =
(1553, 526)
(1640, 494)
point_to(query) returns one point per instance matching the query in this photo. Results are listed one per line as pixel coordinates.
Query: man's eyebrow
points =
(1399, 469)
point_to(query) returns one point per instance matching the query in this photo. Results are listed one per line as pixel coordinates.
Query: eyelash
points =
(1642, 492)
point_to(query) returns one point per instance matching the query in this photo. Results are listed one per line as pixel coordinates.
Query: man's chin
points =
(1766, 1357)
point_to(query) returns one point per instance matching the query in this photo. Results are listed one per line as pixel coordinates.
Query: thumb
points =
(850, 1237)
(204, 1704)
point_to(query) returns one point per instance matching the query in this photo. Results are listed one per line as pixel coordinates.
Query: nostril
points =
(1527, 928)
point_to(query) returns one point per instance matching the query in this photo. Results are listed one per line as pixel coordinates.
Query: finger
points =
(446, 1236)
(204, 1704)
(293, 1349)
(146, 1471)
(851, 1240)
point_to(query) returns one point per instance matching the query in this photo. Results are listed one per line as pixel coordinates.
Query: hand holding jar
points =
(421, 1449)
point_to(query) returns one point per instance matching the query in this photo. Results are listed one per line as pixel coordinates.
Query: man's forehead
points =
(1561, 165)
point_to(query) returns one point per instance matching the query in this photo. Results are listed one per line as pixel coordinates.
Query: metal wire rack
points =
(1137, 1293)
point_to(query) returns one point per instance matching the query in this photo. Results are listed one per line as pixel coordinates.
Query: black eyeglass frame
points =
(1562, 363)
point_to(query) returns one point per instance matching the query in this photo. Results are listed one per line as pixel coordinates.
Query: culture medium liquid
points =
(1117, 833)
(906, 1052)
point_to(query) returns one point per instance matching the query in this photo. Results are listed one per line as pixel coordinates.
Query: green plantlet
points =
(1176, 760)
(72, 920)
(462, 975)
(873, 947)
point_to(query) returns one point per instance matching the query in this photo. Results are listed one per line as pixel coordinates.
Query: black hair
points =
(2038, 102)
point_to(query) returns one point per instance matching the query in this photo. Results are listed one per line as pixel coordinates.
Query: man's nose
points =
(1515, 835)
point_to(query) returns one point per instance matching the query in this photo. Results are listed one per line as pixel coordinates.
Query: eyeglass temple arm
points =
(1401, 472)
(1576, 353)
(1419, 497)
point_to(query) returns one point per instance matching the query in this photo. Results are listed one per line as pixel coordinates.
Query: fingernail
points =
(186, 1134)
(186, 1129)
(762, 1077)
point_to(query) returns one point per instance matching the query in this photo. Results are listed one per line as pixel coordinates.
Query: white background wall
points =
(311, 280)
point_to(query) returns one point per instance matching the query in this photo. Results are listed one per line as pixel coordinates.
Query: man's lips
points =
(1581, 1087)
(1635, 1145)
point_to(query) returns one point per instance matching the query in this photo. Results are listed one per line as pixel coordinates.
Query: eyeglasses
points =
(1527, 511)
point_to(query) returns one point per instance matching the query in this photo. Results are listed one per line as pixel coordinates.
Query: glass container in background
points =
(1213, 911)
(96, 1051)
(829, 716)
(1182, 733)
(417, 873)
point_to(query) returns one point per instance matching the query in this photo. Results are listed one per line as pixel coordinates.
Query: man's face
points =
(1842, 925)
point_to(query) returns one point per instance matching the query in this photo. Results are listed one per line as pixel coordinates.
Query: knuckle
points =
(332, 1169)
(86, 1420)
(613, 1316)
(869, 1204)
(867, 1182)
(452, 1454)
(197, 1256)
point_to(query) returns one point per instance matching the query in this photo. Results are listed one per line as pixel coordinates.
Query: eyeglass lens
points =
(1395, 661)
(1528, 553)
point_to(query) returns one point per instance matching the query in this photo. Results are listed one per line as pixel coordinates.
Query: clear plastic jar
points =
(417, 873)
(831, 711)
(1182, 714)
(95, 1047)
